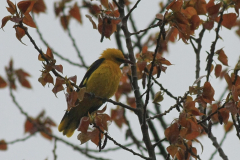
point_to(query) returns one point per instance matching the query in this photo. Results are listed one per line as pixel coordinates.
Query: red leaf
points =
(105, 3)
(39, 7)
(172, 133)
(12, 8)
(218, 70)
(3, 145)
(84, 123)
(117, 115)
(59, 68)
(19, 33)
(58, 85)
(75, 13)
(25, 6)
(229, 20)
(5, 20)
(29, 127)
(91, 20)
(3, 83)
(64, 21)
(27, 19)
(46, 135)
(208, 92)
(222, 57)
(73, 79)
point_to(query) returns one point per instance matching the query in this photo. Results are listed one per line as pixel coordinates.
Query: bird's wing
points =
(90, 70)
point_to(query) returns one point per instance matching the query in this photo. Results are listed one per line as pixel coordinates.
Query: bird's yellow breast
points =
(104, 80)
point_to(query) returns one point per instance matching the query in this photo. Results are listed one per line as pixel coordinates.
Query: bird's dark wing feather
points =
(90, 70)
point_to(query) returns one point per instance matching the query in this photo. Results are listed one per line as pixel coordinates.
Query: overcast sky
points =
(177, 79)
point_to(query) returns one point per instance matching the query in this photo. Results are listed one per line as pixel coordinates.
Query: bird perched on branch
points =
(101, 79)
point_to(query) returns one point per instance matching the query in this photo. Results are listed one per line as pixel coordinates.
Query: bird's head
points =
(114, 55)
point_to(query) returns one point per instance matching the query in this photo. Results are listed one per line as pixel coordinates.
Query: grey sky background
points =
(177, 79)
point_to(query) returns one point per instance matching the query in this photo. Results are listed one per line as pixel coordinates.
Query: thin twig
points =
(54, 149)
(53, 51)
(215, 143)
(75, 147)
(118, 144)
(212, 50)
(164, 89)
(20, 139)
(213, 154)
(236, 126)
(73, 42)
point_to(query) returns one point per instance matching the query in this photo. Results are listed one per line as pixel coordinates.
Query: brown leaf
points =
(12, 8)
(208, 25)
(75, 13)
(25, 6)
(3, 83)
(172, 133)
(208, 92)
(222, 57)
(91, 20)
(20, 33)
(158, 97)
(218, 70)
(228, 80)
(71, 99)
(175, 5)
(39, 7)
(21, 75)
(64, 21)
(47, 136)
(29, 127)
(228, 127)
(230, 106)
(131, 101)
(47, 78)
(59, 68)
(84, 124)
(27, 19)
(73, 79)
(172, 150)
(229, 20)
(5, 20)
(117, 115)
(105, 3)
(3, 145)
(58, 85)
(83, 137)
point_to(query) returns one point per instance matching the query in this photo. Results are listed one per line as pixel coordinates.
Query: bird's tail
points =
(69, 123)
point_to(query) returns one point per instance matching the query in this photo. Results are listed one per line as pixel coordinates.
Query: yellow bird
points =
(101, 79)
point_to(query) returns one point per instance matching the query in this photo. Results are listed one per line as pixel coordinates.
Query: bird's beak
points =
(127, 61)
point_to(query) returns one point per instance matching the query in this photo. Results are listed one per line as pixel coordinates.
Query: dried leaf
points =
(25, 6)
(5, 20)
(229, 20)
(27, 19)
(208, 92)
(222, 57)
(158, 97)
(172, 133)
(84, 124)
(91, 20)
(3, 145)
(75, 13)
(20, 33)
(3, 83)
(218, 70)
(59, 68)
(228, 127)
(39, 7)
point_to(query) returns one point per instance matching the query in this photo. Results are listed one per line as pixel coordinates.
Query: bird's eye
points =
(120, 60)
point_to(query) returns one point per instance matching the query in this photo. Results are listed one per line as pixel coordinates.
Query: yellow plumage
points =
(101, 79)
